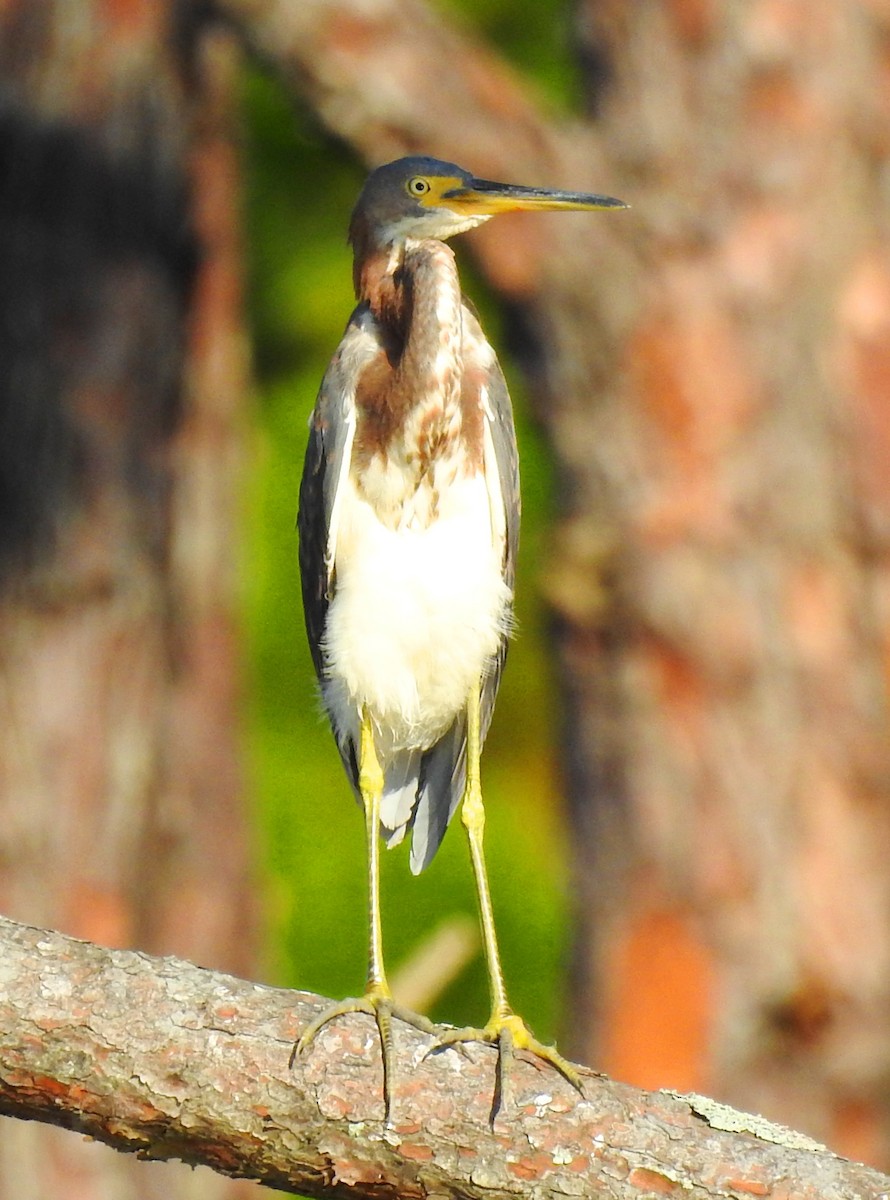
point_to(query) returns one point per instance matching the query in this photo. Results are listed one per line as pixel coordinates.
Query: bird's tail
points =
(402, 781)
(443, 772)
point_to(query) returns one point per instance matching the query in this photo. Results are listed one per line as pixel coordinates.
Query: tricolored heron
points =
(409, 522)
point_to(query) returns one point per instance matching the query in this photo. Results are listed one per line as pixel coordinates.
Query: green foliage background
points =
(300, 190)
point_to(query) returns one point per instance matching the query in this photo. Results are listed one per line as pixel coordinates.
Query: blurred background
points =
(688, 774)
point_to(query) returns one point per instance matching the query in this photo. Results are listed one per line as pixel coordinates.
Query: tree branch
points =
(167, 1060)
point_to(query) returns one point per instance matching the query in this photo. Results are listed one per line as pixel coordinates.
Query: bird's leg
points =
(504, 1029)
(370, 782)
(378, 1000)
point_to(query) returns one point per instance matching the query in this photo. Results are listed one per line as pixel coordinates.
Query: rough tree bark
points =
(121, 350)
(164, 1059)
(741, 930)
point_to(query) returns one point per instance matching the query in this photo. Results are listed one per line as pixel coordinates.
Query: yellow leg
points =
(377, 1000)
(370, 782)
(505, 1029)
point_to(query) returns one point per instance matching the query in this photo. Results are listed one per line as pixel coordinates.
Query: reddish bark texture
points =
(743, 439)
(120, 791)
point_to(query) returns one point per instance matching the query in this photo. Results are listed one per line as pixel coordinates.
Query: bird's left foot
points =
(507, 1033)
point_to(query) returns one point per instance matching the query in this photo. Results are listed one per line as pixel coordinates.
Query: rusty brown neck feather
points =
(414, 295)
(380, 283)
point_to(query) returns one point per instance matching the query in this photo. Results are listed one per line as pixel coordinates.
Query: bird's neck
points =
(414, 292)
(412, 428)
(377, 274)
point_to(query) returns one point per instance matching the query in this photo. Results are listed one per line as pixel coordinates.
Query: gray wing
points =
(331, 432)
(506, 453)
(443, 768)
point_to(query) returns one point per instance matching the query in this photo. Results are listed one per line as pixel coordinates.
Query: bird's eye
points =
(418, 186)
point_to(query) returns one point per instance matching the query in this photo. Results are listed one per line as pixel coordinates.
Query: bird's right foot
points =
(379, 1004)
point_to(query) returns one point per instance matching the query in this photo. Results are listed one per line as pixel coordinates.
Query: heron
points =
(408, 525)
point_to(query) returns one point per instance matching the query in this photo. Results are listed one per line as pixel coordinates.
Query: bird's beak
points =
(482, 197)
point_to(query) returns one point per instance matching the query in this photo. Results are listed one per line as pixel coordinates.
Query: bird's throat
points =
(409, 405)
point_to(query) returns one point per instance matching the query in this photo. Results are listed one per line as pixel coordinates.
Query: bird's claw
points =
(507, 1033)
(379, 1005)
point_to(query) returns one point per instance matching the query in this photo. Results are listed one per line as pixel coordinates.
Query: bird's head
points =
(421, 197)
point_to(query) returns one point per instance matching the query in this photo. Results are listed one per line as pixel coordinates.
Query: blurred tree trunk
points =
(122, 372)
(713, 370)
(722, 586)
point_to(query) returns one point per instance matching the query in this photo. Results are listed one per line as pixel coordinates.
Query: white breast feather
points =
(417, 615)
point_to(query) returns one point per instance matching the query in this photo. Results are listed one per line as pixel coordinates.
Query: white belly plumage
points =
(418, 613)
